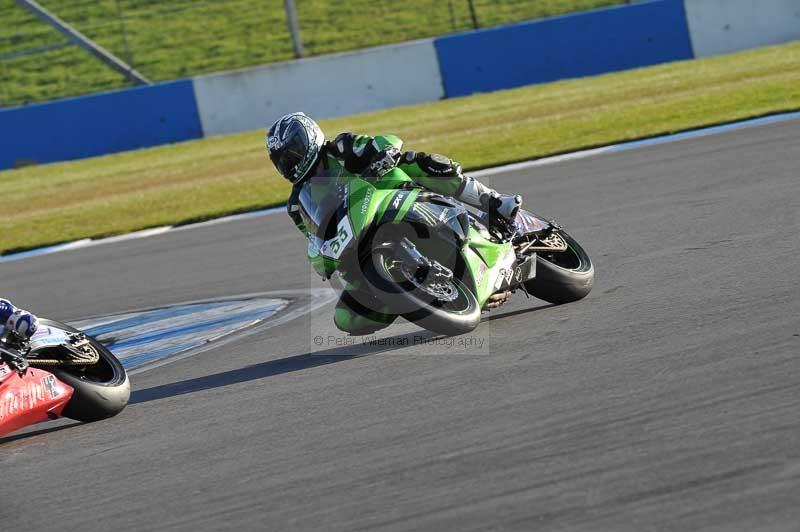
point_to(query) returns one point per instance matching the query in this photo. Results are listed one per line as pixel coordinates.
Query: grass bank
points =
(221, 175)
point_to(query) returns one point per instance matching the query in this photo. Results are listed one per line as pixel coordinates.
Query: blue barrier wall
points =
(583, 44)
(98, 124)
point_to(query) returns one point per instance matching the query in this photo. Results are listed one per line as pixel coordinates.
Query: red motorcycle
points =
(60, 372)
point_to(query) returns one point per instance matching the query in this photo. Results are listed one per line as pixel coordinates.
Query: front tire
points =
(562, 277)
(102, 390)
(450, 318)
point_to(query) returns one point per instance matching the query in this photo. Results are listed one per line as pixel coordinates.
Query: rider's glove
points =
(383, 162)
(6, 310)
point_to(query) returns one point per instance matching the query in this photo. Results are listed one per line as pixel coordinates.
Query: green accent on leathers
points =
(336, 165)
(446, 186)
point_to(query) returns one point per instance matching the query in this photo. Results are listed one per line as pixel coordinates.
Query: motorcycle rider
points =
(16, 325)
(297, 147)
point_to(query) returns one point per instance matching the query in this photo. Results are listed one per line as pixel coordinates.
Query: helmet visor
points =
(290, 154)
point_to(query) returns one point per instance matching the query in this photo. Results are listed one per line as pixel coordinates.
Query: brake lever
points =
(502, 229)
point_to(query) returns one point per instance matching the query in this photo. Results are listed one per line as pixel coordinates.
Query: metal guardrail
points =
(79, 39)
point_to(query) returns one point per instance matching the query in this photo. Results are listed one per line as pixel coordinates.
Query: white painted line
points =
(540, 162)
(44, 251)
(545, 161)
(635, 144)
(231, 218)
(88, 242)
(130, 236)
(705, 132)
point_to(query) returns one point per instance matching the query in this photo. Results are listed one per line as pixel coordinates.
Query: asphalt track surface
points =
(669, 399)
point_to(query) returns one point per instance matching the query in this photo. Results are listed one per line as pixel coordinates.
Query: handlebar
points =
(11, 355)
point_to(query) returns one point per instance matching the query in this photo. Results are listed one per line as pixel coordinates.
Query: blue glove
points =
(6, 310)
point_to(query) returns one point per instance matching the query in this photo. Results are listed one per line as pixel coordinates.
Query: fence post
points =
(5, 98)
(291, 18)
(128, 56)
(473, 14)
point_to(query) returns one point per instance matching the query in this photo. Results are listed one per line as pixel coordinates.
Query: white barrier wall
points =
(723, 26)
(409, 73)
(326, 86)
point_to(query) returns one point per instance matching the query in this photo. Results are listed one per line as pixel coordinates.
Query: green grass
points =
(216, 176)
(181, 38)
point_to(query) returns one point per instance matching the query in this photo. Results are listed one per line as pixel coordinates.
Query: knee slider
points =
(356, 324)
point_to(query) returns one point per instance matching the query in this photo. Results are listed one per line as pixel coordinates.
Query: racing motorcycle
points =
(59, 372)
(430, 258)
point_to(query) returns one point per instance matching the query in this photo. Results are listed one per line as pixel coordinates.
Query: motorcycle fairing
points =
(339, 215)
(35, 396)
(46, 337)
(527, 222)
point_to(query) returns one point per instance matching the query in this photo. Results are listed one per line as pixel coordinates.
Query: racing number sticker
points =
(49, 383)
(334, 247)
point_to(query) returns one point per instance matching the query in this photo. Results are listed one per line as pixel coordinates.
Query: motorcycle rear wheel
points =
(102, 390)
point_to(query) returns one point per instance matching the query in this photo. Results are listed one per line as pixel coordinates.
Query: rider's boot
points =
(501, 208)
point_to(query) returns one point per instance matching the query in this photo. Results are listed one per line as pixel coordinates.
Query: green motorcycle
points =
(428, 258)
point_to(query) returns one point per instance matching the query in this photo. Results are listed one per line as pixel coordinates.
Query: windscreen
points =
(322, 205)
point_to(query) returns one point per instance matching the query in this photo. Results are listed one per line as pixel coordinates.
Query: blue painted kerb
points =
(576, 45)
(92, 125)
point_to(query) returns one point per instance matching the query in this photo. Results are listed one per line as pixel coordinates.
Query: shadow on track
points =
(26, 435)
(526, 310)
(281, 366)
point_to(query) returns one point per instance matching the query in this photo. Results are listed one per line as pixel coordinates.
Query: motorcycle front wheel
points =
(452, 316)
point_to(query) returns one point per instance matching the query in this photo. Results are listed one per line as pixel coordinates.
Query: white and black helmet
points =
(294, 142)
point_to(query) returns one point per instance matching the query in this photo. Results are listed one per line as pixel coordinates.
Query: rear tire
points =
(102, 390)
(562, 277)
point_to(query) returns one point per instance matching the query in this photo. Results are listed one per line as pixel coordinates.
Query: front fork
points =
(417, 268)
